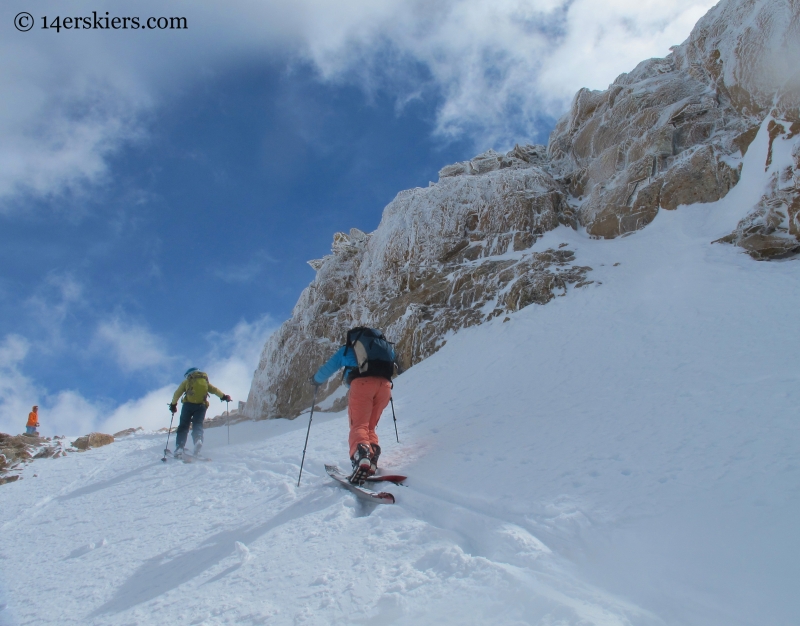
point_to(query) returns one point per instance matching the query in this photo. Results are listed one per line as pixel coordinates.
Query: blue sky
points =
(163, 192)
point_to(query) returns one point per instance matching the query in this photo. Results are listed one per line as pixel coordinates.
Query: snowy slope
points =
(626, 455)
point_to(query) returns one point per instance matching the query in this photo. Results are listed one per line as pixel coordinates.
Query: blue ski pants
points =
(193, 414)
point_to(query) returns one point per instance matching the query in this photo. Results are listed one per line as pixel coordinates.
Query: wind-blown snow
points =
(629, 454)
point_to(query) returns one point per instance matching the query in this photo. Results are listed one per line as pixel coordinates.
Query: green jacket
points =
(194, 392)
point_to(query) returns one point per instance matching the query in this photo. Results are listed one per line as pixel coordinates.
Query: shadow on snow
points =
(167, 570)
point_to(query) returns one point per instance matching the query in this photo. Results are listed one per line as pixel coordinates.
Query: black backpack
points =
(374, 354)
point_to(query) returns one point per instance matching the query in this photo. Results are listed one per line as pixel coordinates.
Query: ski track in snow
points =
(625, 455)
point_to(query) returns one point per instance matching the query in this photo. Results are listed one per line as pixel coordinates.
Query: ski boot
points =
(198, 445)
(361, 464)
(178, 454)
(376, 453)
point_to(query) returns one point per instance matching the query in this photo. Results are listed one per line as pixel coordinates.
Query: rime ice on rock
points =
(669, 133)
(443, 258)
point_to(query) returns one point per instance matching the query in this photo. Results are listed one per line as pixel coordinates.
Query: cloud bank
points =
(132, 346)
(229, 363)
(498, 69)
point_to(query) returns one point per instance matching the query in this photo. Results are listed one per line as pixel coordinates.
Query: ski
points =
(183, 458)
(388, 478)
(382, 497)
(194, 457)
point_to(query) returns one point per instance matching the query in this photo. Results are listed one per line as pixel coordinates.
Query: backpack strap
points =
(349, 343)
(349, 370)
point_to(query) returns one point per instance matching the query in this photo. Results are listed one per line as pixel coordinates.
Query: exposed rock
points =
(18, 450)
(702, 177)
(92, 440)
(340, 404)
(765, 247)
(47, 452)
(771, 230)
(665, 134)
(127, 431)
(454, 170)
(743, 141)
(443, 258)
(489, 161)
(234, 417)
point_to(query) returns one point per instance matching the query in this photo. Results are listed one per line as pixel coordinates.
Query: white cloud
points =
(234, 358)
(71, 99)
(502, 65)
(133, 347)
(64, 413)
(244, 272)
(69, 413)
(230, 365)
(150, 412)
(53, 301)
(17, 393)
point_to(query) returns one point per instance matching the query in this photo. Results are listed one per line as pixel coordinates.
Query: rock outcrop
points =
(443, 258)
(669, 132)
(672, 132)
(16, 450)
(127, 432)
(92, 440)
(234, 416)
(772, 229)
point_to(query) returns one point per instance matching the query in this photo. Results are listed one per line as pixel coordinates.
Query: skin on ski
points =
(383, 497)
(388, 478)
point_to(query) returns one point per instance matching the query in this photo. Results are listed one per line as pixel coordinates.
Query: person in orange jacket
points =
(33, 422)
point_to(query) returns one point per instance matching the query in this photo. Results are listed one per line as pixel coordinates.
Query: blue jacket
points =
(335, 363)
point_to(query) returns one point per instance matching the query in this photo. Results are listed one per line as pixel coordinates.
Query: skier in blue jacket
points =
(370, 392)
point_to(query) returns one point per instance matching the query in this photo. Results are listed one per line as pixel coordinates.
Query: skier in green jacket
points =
(195, 389)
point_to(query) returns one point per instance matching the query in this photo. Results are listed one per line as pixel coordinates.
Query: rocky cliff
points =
(672, 132)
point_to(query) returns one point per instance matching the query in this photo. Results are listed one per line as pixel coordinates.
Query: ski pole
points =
(228, 420)
(169, 432)
(310, 417)
(395, 419)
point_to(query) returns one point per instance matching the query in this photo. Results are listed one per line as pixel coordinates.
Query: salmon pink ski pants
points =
(368, 397)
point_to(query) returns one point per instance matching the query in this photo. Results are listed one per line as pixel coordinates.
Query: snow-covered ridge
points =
(672, 132)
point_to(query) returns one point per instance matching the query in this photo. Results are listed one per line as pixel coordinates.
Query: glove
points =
(313, 382)
(173, 408)
(225, 398)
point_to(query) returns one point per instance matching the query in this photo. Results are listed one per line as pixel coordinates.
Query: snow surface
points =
(627, 454)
